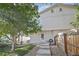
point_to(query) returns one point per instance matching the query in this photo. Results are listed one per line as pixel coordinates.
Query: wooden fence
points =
(69, 43)
(73, 44)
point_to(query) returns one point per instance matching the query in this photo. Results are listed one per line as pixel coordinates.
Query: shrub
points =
(21, 52)
(5, 47)
(3, 53)
(18, 51)
(31, 47)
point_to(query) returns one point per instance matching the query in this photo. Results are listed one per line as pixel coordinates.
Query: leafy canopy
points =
(19, 17)
(75, 23)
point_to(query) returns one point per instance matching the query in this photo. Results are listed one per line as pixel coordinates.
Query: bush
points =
(18, 51)
(3, 53)
(31, 47)
(21, 52)
(5, 47)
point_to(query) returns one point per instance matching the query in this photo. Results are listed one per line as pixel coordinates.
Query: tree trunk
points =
(21, 40)
(13, 43)
(13, 46)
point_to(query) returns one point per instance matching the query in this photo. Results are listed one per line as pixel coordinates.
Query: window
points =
(42, 36)
(60, 9)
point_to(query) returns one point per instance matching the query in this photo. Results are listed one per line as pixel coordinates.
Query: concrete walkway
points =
(57, 51)
(43, 50)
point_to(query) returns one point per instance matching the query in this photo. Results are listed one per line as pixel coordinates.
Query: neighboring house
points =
(53, 20)
(23, 39)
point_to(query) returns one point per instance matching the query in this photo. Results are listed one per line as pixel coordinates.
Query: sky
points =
(43, 6)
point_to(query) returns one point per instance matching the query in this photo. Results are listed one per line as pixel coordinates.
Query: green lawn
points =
(20, 51)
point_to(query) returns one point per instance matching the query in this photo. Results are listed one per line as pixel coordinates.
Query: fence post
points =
(65, 43)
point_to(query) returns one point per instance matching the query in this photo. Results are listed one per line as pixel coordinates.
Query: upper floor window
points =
(60, 9)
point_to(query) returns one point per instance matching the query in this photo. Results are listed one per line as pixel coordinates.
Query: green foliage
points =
(18, 17)
(24, 50)
(75, 23)
(18, 51)
(7, 53)
(3, 53)
(21, 52)
(5, 47)
(4, 40)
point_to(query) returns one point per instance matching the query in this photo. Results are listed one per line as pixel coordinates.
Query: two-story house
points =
(53, 20)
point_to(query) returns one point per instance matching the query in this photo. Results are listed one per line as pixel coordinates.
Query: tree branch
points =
(8, 37)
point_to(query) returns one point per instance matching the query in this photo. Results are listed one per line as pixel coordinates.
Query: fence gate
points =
(72, 44)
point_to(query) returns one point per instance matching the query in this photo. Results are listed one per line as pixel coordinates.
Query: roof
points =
(55, 5)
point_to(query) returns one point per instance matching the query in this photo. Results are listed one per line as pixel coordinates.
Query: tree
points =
(17, 18)
(75, 23)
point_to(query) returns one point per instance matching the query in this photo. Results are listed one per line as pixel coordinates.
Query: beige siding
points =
(53, 23)
(36, 38)
(57, 19)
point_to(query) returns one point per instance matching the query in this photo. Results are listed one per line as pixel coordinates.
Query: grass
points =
(8, 53)
(18, 51)
(24, 50)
